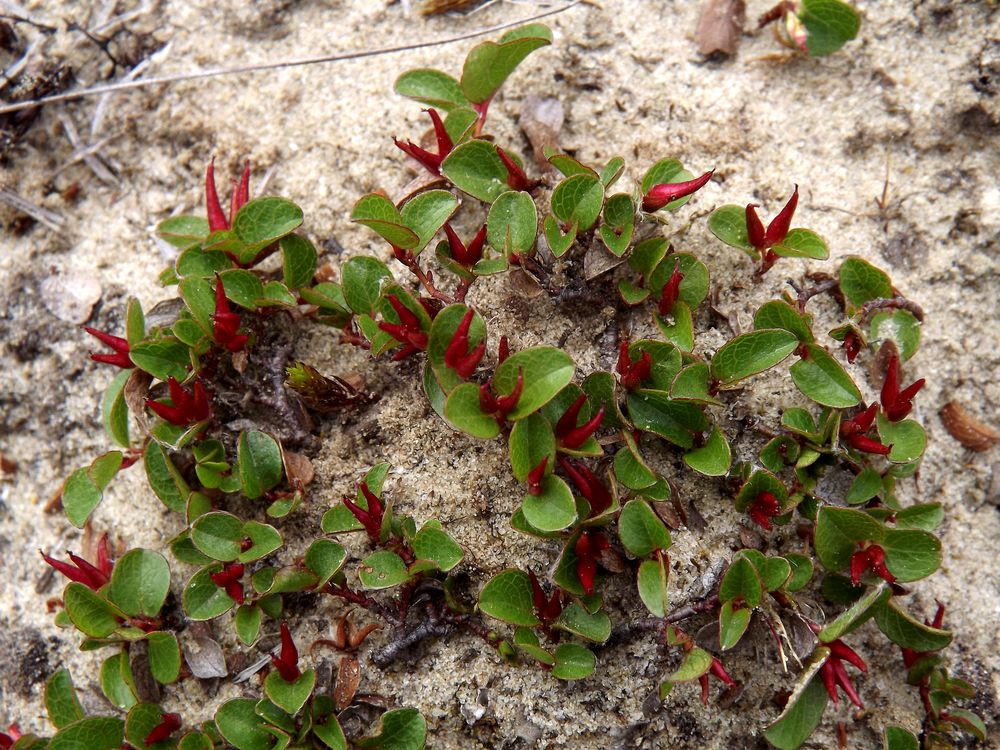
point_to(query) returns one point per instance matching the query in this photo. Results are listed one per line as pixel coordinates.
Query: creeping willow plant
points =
(198, 401)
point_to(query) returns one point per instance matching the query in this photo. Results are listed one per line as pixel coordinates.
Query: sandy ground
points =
(918, 89)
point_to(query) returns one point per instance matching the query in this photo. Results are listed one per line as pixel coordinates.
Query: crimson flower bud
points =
(777, 230)
(895, 402)
(568, 434)
(169, 724)
(717, 671)
(590, 486)
(431, 162)
(516, 178)
(457, 356)
(631, 374)
(834, 674)
(671, 290)
(217, 219)
(587, 548)
(287, 663)
(535, 477)
(226, 323)
(119, 345)
(852, 346)
(408, 331)
(229, 579)
(188, 408)
(81, 571)
(764, 507)
(466, 255)
(668, 192)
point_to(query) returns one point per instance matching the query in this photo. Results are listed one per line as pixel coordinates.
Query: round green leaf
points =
(594, 626)
(426, 213)
(802, 243)
(802, 570)
(779, 314)
(899, 327)
(361, 279)
(547, 370)
(838, 531)
(264, 220)
(553, 509)
(325, 558)
(729, 224)
(531, 441)
(241, 727)
(507, 597)
(713, 458)
(821, 377)
(761, 481)
(202, 598)
(741, 580)
(258, 456)
(801, 715)
(91, 613)
(696, 662)
(164, 657)
(751, 353)
(652, 584)
(141, 720)
(578, 200)
(399, 729)
(641, 530)
(162, 358)
(140, 582)
(382, 570)
(911, 554)
(860, 281)
(678, 328)
(862, 610)
(117, 682)
(694, 286)
(61, 703)
(462, 410)
(218, 534)
(630, 467)
(488, 64)
(431, 87)
(475, 168)
(290, 696)
(512, 223)
(264, 539)
(242, 287)
(904, 630)
(732, 625)
(830, 24)
(298, 260)
(573, 662)
(435, 545)
(907, 438)
(94, 733)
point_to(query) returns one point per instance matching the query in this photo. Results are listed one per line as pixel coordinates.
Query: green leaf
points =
(219, 535)
(264, 539)
(183, 231)
(117, 682)
(897, 738)
(298, 260)
(654, 411)
(573, 662)
(679, 328)
(241, 727)
(838, 531)
(531, 440)
(864, 487)
(899, 327)
(290, 696)
(857, 614)
(547, 370)
(507, 597)
(512, 223)
(692, 384)
(752, 353)
(258, 456)
(164, 657)
(489, 64)
(651, 581)
(907, 438)
(822, 378)
(559, 242)
(911, 554)
(733, 624)
(802, 243)
(325, 558)
(667, 172)
(114, 410)
(242, 287)
(84, 488)
(140, 582)
(382, 570)
(802, 570)
(926, 516)
(594, 626)
(431, 87)
(713, 458)
(379, 214)
(568, 165)
(94, 733)
(779, 314)
(399, 729)
(247, 621)
(741, 580)
(89, 612)
(619, 223)
(202, 598)
(696, 662)
(729, 224)
(830, 24)
(804, 708)
(578, 200)
(630, 467)
(442, 332)
(462, 410)
(162, 358)
(641, 530)
(361, 279)
(758, 482)
(475, 168)
(262, 221)
(646, 256)
(61, 702)
(695, 284)
(426, 213)
(861, 282)
(435, 545)
(553, 509)
(141, 720)
(904, 630)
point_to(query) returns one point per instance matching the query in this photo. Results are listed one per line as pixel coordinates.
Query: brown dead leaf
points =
(541, 119)
(136, 392)
(298, 467)
(720, 27)
(966, 429)
(348, 679)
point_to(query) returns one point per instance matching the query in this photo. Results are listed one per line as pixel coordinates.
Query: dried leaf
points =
(720, 27)
(205, 659)
(348, 679)
(136, 392)
(541, 120)
(437, 7)
(966, 429)
(321, 393)
(298, 467)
